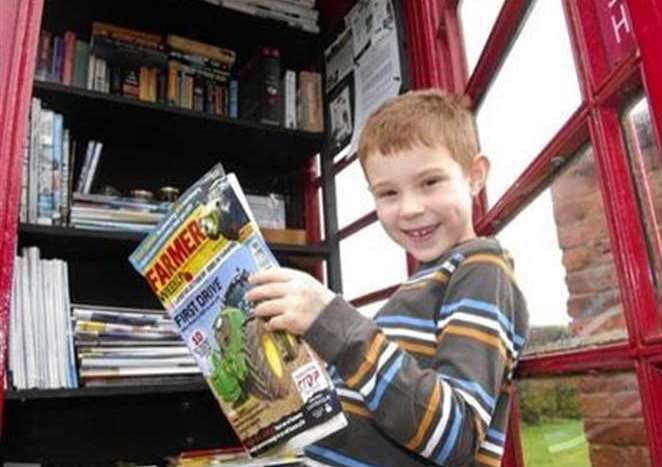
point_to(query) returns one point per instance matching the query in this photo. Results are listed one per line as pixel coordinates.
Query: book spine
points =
(91, 72)
(270, 87)
(58, 130)
(69, 57)
(173, 82)
(45, 169)
(233, 110)
(64, 191)
(312, 118)
(81, 65)
(99, 75)
(94, 163)
(44, 56)
(289, 99)
(33, 177)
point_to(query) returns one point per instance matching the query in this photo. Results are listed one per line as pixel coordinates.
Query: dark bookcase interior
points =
(147, 146)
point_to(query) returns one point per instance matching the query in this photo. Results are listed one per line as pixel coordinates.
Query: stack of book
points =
(199, 77)
(46, 168)
(116, 213)
(127, 62)
(299, 14)
(41, 353)
(128, 346)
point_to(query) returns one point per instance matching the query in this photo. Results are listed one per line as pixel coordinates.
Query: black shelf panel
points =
(75, 239)
(98, 426)
(168, 137)
(195, 385)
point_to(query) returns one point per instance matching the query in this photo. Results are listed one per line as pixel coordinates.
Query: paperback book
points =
(272, 388)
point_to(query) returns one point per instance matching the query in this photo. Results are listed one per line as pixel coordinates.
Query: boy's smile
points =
(424, 198)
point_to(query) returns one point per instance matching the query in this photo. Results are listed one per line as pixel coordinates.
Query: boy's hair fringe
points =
(428, 117)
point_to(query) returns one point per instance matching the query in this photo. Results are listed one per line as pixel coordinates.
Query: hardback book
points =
(310, 111)
(189, 46)
(259, 95)
(272, 388)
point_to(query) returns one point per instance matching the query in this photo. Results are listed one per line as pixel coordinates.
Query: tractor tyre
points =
(268, 376)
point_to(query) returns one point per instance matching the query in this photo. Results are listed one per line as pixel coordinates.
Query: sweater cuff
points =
(333, 329)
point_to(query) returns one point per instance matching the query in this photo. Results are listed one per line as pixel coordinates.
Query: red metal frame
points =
(498, 44)
(20, 20)
(606, 86)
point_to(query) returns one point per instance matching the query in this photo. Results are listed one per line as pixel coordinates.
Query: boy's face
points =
(424, 198)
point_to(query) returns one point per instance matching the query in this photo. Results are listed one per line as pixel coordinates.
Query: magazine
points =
(272, 388)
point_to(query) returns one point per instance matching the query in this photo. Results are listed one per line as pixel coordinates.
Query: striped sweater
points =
(428, 382)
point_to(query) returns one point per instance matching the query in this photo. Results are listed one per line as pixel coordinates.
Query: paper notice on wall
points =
(378, 77)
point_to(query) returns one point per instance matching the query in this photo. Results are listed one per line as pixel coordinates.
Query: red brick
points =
(605, 405)
(592, 280)
(585, 233)
(611, 383)
(572, 210)
(581, 179)
(625, 432)
(617, 456)
(602, 324)
(592, 304)
(583, 256)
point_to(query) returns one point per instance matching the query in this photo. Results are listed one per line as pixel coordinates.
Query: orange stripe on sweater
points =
(430, 410)
(369, 363)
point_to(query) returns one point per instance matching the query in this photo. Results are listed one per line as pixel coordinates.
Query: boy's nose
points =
(411, 206)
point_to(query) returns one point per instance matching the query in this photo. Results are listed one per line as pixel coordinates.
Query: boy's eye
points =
(431, 182)
(386, 194)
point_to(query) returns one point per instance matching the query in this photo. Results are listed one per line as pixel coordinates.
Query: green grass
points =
(555, 443)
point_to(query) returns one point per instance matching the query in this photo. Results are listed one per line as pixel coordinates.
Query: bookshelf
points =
(148, 145)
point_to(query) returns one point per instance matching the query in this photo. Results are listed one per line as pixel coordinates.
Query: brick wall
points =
(609, 404)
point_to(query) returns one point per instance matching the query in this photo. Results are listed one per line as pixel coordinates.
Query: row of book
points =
(48, 164)
(46, 174)
(41, 353)
(299, 14)
(112, 345)
(128, 346)
(177, 71)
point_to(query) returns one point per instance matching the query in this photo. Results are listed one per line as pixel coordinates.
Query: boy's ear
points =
(480, 168)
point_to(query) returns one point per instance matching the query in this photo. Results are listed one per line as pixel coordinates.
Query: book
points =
(272, 388)
(259, 96)
(309, 109)
(189, 46)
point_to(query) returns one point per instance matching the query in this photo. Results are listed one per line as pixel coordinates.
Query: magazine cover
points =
(272, 388)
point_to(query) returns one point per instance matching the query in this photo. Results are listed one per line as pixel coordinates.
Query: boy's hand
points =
(288, 299)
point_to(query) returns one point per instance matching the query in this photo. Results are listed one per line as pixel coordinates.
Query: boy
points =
(429, 380)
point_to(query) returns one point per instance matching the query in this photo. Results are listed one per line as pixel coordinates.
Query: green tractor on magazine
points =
(222, 214)
(252, 360)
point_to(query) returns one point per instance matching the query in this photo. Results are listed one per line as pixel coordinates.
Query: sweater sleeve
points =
(440, 412)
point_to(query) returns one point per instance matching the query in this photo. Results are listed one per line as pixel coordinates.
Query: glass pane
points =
(533, 95)
(477, 18)
(583, 420)
(371, 309)
(647, 171)
(354, 198)
(370, 261)
(564, 264)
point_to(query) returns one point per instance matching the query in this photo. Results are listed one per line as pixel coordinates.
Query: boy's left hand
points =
(288, 299)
